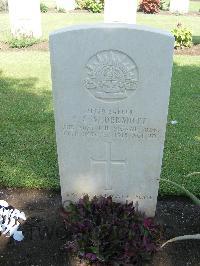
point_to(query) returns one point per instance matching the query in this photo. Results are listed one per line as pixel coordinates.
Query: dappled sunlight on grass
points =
(27, 137)
(197, 138)
(28, 149)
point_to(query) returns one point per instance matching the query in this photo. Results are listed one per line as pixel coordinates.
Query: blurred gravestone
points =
(179, 6)
(25, 18)
(66, 5)
(111, 97)
(123, 11)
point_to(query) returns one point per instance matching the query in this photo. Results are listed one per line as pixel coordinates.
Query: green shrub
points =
(61, 10)
(43, 8)
(105, 232)
(22, 42)
(150, 6)
(164, 5)
(95, 6)
(183, 36)
(3, 5)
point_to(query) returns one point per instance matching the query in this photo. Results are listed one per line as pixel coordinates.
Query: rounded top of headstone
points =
(110, 26)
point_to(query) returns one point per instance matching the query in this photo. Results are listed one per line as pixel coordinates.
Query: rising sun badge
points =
(111, 75)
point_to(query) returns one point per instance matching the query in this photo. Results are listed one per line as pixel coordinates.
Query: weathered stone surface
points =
(111, 85)
(123, 11)
(67, 5)
(25, 18)
(179, 6)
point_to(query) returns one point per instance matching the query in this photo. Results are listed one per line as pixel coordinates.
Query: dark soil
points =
(45, 234)
(194, 50)
(168, 13)
(44, 46)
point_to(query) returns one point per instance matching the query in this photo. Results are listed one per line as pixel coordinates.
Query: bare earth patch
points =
(45, 235)
(44, 46)
(194, 50)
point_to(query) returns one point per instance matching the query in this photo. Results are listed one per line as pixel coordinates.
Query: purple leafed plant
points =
(103, 232)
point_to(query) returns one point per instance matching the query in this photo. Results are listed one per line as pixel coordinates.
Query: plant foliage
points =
(164, 5)
(22, 42)
(183, 36)
(95, 6)
(43, 8)
(103, 232)
(61, 10)
(150, 6)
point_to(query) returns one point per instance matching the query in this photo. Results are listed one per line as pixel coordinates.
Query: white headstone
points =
(179, 6)
(67, 5)
(111, 98)
(25, 18)
(123, 11)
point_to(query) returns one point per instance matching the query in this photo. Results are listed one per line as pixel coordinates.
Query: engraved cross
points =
(108, 165)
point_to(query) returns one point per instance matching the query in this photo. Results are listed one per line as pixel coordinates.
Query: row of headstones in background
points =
(25, 16)
(124, 10)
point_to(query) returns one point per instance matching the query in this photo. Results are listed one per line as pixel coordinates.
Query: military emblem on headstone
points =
(111, 75)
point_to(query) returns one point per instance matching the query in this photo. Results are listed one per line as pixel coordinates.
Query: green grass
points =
(53, 21)
(182, 146)
(194, 6)
(49, 3)
(27, 137)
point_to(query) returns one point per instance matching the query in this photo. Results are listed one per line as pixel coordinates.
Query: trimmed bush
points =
(150, 6)
(95, 6)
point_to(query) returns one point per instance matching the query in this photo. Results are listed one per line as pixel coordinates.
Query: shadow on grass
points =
(28, 158)
(28, 148)
(196, 39)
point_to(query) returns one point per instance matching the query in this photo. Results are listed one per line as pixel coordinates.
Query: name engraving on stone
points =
(111, 76)
(112, 124)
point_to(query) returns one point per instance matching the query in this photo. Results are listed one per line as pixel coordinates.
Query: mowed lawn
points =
(53, 21)
(27, 137)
